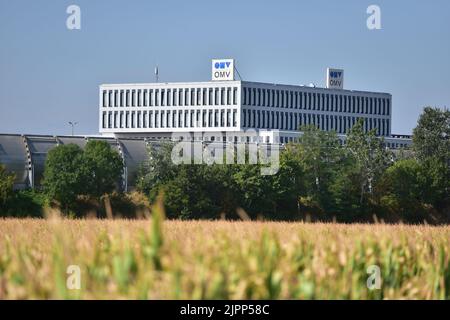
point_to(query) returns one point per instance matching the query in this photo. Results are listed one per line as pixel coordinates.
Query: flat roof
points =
(215, 83)
(312, 88)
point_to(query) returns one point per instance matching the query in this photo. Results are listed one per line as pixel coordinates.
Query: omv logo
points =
(336, 74)
(222, 65)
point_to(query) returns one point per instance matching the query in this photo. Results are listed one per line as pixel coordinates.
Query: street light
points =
(73, 124)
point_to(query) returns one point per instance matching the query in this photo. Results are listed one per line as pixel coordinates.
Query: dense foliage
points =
(319, 178)
(71, 172)
(6, 186)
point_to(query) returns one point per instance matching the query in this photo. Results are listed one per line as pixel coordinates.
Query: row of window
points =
(390, 145)
(284, 120)
(247, 139)
(170, 97)
(315, 101)
(169, 119)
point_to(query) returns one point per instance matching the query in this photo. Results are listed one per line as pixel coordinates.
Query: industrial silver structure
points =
(25, 155)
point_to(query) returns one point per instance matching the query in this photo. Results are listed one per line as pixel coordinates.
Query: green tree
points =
(253, 190)
(402, 187)
(190, 190)
(355, 179)
(431, 143)
(104, 166)
(320, 155)
(368, 156)
(6, 185)
(158, 169)
(431, 137)
(65, 175)
(436, 188)
(71, 172)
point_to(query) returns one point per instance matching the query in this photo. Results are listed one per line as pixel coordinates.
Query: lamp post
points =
(73, 124)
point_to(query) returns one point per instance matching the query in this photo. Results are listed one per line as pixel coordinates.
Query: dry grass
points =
(217, 259)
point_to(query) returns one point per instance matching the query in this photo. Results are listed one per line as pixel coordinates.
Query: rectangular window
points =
(169, 97)
(104, 98)
(180, 97)
(127, 119)
(163, 97)
(116, 98)
(216, 96)
(104, 119)
(157, 97)
(174, 97)
(192, 92)
(110, 96)
(235, 96)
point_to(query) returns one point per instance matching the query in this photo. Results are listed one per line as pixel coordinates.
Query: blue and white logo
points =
(335, 78)
(336, 74)
(222, 65)
(222, 69)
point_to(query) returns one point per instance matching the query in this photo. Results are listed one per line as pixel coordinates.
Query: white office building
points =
(227, 109)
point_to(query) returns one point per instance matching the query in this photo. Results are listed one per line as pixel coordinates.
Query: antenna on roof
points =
(156, 74)
(240, 78)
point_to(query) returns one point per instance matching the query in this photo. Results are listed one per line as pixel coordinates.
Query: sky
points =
(49, 74)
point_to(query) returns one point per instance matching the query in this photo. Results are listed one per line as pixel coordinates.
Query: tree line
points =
(319, 179)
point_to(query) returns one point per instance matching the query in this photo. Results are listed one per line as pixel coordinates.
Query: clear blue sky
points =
(50, 75)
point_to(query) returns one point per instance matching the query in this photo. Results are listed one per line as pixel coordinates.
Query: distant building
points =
(224, 110)
(133, 117)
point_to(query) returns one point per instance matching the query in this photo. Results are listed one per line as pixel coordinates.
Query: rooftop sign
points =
(222, 69)
(335, 78)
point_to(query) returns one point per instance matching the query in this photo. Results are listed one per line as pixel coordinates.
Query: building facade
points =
(231, 108)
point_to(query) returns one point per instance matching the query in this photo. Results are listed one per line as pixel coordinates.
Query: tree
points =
(6, 185)
(158, 169)
(431, 143)
(402, 187)
(431, 137)
(190, 190)
(369, 157)
(104, 166)
(65, 174)
(320, 155)
(71, 172)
